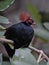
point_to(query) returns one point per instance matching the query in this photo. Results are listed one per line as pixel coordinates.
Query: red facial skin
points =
(24, 16)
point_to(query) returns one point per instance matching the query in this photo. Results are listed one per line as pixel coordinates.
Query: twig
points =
(6, 40)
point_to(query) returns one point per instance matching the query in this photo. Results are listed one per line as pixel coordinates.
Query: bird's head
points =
(25, 17)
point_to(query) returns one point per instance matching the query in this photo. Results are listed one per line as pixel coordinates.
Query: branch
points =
(6, 40)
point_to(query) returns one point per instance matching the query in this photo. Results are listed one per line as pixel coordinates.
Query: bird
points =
(21, 33)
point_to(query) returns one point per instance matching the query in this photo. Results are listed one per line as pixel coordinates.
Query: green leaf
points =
(4, 20)
(46, 25)
(48, 62)
(42, 33)
(11, 46)
(24, 57)
(43, 62)
(2, 33)
(6, 63)
(1, 27)
(0, 58)
(34, 12)
(4, 4)
(21, 63)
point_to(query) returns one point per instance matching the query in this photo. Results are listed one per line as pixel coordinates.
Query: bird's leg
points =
(41, 54)
(6, 40)
(42, 58)
(33, 48)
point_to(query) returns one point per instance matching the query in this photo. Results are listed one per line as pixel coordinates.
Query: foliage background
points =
(38, 10)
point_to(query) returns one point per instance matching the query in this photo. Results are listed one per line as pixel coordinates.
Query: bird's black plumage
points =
(21, 33)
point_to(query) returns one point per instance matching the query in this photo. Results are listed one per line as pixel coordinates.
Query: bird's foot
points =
(41, 56)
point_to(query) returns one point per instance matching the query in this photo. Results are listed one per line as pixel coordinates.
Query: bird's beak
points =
(33, 23)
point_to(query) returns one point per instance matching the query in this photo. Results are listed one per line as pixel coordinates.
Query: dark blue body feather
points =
(21, 34)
